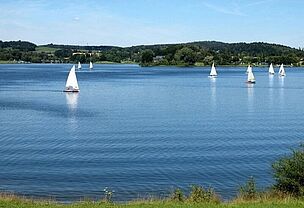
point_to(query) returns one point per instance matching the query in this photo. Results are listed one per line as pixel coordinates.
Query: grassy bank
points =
(12, 201)
(8, 62)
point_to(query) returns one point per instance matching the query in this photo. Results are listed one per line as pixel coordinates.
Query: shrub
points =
(289, 173)
(177, 195)
(108, 194)
(248, 191)
(199, 194)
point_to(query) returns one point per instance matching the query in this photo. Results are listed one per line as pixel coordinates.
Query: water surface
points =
(143, 131)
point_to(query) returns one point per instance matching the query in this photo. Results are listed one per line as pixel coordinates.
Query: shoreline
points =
(138, 64)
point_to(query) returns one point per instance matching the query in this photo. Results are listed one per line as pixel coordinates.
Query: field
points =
(46, 49)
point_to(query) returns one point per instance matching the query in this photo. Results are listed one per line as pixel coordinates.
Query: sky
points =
(138, 22)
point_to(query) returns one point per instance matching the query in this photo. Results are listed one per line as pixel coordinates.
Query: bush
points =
(289, 173)
(248, 191)
(108, 194)
(177, 195)
(199, 194)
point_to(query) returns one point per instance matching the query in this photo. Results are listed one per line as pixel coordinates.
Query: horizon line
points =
(173, 43)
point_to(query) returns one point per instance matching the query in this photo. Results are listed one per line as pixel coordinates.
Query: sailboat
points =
(250, 77)
(249, 69)
(91, 65)
(282, 70)
(79, 65)
(271, 70)
(71, 83)
(213, 72)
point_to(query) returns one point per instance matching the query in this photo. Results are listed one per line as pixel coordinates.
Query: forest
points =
(184, 54)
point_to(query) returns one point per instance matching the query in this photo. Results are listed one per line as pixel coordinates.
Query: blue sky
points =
(135, 22)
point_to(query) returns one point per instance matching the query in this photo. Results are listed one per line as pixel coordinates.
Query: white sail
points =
(79, 65)
(282, 70)
(213, 72)
(271, 70)
(71, 83)
(91, 65)
(250, 77)
(249, 69)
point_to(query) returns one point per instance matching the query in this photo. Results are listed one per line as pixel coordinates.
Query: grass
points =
(8, 62)
(106, 62)
(46, 49)
(13, 201)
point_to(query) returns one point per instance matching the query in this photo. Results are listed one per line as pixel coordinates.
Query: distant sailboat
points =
(282, 70)
(213, 72)
(91, 65)
(249, 69)
(250, 77)
(79, 65)
(271, 70)
(71, 83)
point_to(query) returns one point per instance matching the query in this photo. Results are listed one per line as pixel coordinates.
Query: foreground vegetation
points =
(186, 54)
(286, 192)
(17, 202)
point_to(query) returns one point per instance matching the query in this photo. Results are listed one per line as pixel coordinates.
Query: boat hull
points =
(70, 90)
(212, 76)
(250, 82)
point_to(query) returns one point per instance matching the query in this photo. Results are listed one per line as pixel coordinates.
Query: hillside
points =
(194, 53)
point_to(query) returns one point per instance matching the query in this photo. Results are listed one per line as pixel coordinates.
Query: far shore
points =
(134, 63)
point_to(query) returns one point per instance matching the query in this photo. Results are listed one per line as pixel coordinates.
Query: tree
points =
(205, 52)
(185, 56)
(289, 173)
(63, 53)
(147, 56)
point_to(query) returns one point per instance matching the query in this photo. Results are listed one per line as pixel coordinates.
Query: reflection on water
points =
(281, 91)
(213, 93)
(271, 80)
(250, 97)
(281, 81)
(270, 89)
(72, 101)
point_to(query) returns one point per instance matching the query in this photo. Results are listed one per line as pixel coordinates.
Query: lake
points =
(143, 131)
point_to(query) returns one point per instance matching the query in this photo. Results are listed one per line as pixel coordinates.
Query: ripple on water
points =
(142, 131)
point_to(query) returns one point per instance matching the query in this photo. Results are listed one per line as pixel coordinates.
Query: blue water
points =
(143, 131)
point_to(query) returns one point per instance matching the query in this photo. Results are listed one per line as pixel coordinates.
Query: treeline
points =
(18, 45)
(187, 54)
(77, 47)
(221, 53)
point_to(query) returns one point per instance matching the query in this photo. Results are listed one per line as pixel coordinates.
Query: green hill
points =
(193, 53)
